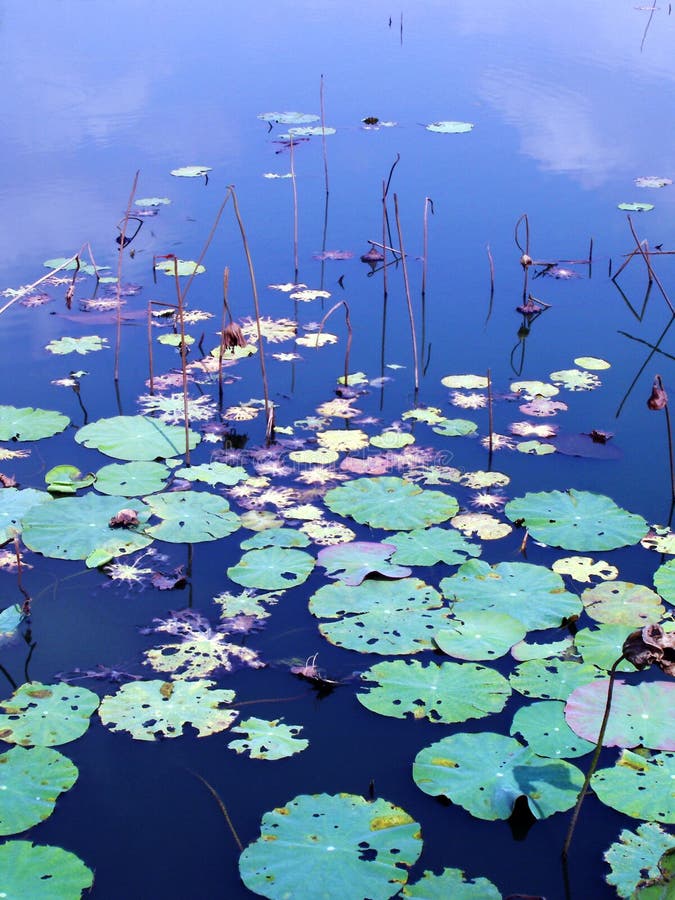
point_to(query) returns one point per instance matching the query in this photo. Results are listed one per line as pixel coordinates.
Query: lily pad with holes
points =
(640, 714)
(635, 857)
(268, 740)
(136, 438)
(28, 424)
(352, 562)
(639, 786)
(451, 883)
(191, 517)
(481, 635)
(14, 505)
(349, 846)
(542, 724)
(575, 379)
(552, 679)
(525, 650)
(151, 709)
(428, 546)
(603, 646)
(32, 780)
(388, 617)
(276, 537)
(214, 473)
(585, 569)
(133, 479)
(622, 603)
(42, 872)
(486, 773)
(533, 594)
(78, 528)
(576, 520)
(272, 569)
(46, 715)
(391, 503)
(449, 692)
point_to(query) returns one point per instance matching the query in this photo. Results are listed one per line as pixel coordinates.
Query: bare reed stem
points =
(407, 295)
(295, 215)
(323, 137)
(348, 322)
(428, 202)
(118, 286)
(223, 810)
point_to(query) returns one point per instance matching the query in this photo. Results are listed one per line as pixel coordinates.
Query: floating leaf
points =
(191, 171)
(391, 503)
(639, 786)
(575, 379)
(486, 773)
(591, 362)
(636, 207)
(481, 635)
(14, 505)
(10, 619)
(320, 457)
(351, 563)
(543, 726)
(339, 440)
(180, 267)
(483, 525)
(455, 427)
(576, 520)
(67, 480)
(152, 201)
(134, 479)
(88, 344)
(534, 389)
(191, 516)
(151, 709)
(170, 340)
(664, 581)
(525, 650)
(451, 883)
(449, 692)
(136, 438)
(552, 679)
(465, 382)
(603, 646)
(428, 546)
(392, 440)
(42, 872)
(28, 424)
(449, 127)
(622, 603)
(213, 473)
(46, 715)
(652, 181)
(640, 714)
(391, 617)
(532, 594)
(268, 740)
(272, 569)
(32, 779)
(69, 265)
(585, 568)
(288, 118)
(535, 448)
(276, 537)
(332, 841)
(635, 856)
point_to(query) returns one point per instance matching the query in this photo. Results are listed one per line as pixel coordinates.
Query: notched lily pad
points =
(272, 569)
(191, 517)
(28, 424)
(42, 872)
(136, 438)
(46, 715)
(352, 562)
(268, 740)
(391, 503)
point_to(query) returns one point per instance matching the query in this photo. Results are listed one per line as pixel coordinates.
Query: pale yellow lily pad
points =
(315, 340)
(483, 525)
(342, 440)
(535, 448)
(591, 362)
(465, 382)
(585, 569)
(321, 457)
(480, 479)
(533, 389)
(576, 379)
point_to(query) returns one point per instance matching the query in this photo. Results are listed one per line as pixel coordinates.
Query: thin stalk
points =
(670, 453)
(491, 263)
(19, 581)
(295, 216)
(323, 137)
(385, 224)
(594, 761)
(623, 265)
(428, 202)
(590, 259)
(226, 313)
(223, 809)
(118, 286)
(652, 274)
(183, 364)
(348, 322)
(206, 246)
(407, 295)
(152, 375)
(490, 419)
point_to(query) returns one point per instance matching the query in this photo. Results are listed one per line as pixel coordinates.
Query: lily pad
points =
(191, 171)
(67, 480)
(392, 440)
(214, 473)
(46, 715)
(486, 773)
(32, 780)
(543, 726)
(10, 619)
(639, 786)
(268, 740)
(603, 646)
(28, 424)
(352, 562)
(289, 118)
(428, 546)
(451, 883)
(342, 439)
(349, 846)
(481, 635)
(69, 265)
(191, 517)
(450, 127)
(88, 344)
(136, 438)
(622, 603)
(552, 679)
(575, 379)
(465, 382)
(391, 503)
(180, 267)
(585, 569)
(449, 692)
(14, 505)
(483, 525)
(42, 872)
(636, 207)
(272, 569)
(635, 856)
(133, 479)
(664, 581)
(576, 520)
(641, 714)
(151, 709)
(276, 537)
(454, 427)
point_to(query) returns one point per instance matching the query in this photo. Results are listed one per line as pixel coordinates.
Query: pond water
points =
(569, 103)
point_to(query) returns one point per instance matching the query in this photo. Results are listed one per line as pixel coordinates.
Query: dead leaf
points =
(651, 645)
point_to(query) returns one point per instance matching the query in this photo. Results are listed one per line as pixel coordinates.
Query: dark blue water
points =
(571, 102)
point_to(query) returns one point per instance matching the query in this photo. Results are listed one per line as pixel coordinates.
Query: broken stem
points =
(348, 322)
(118, 286)
(223, 809)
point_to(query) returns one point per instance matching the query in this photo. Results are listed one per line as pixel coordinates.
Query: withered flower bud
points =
(658, 399)
(526, 260)
(233, 337)
(651, 645)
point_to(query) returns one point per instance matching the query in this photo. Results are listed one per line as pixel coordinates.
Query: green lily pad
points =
(69, 265)
(552, 679)
(449, 127)
(28, 424)
(622, 603)
(45, 715)
(451, 883)
(152, 201)
(133, 479)
(67, 480)
(525, 650)
(388, 617)
(639, 786)
(268, 740)
(32, 780)
(391, 503)
(543, 726)
(272, 569)
(191, 171)
(481, 635)
(465, 382)
(640, 715)
(136, 438)
(636, 207)
(14, 505)
(455, 427)
(429, 546)
(354, 561)
(449, 692)
(175, 340)
(78, 528)
(535, 448)
(42, 872)
(10, 619)
(214, 473)
(88, 344)
(276, 537)
(576, 520)
(635, 856)
(664, 581)
(533, 594)
(181, 267)
(289, 118)
(392, 440)
(152, 709)
(603, 646)
(345, 844)
(486, 773)
(191, 517)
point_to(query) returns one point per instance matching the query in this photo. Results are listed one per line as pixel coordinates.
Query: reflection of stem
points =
(492, 282)
(643, 367)
(652, 274)
(647, 344)
(8, 677)
(28, 659)
(183, 362)
(19, 573)
(295, 215)
(407, 296)
(226, 312)
(490, 419)
(118, 286)
(428, 202)
(323, 137)
(349, 333)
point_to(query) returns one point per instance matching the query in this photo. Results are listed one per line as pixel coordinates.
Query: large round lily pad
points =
(46, 714)
(622, 603)
(133, 479)
(28, 424)
(78, 528)
(31, 781)
(191, 517)
(576, 520)
(391, 503)
(136, 438)
(272, 569)
(14, 504)
(552, 679)
(340, 847)
(639, 786)
(486, 773)
(428, 546)
(481, 635)
(42, 872)
(449, 692)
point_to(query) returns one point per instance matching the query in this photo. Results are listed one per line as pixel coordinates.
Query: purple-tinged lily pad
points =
(352, 562)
